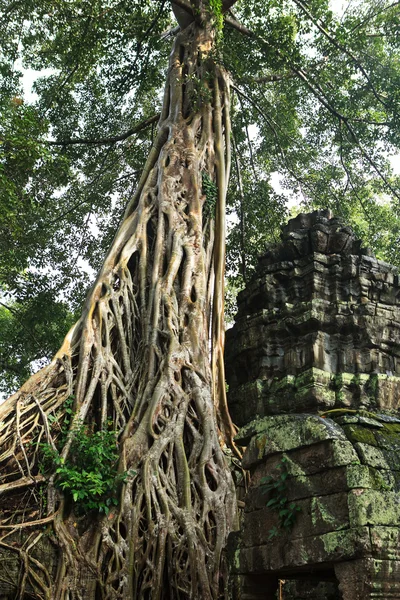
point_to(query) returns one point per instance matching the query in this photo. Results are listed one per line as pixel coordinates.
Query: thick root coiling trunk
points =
(140, 356)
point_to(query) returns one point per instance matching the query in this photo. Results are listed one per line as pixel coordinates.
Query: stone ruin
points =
(313, 366)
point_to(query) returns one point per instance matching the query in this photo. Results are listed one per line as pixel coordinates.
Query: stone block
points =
(301, 485)
(246, 402)
(285, 554)
(388, 391)
(385, 542)
(369, 579)
(363, 476)
(285, 432)
(374, 507)
(371, 455)
(306, 392)
(317, 515)
(319, 458)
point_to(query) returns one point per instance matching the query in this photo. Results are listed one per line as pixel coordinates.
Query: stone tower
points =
(314, 383)
(317, 328)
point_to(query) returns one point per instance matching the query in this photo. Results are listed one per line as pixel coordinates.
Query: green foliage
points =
(315, 118)
(216, 9)
(89, 474)
(276, 488)
(211, 193)
(31, 331)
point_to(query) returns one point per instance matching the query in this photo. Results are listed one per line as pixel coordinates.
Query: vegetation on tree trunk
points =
(146, 354)
(139, 358)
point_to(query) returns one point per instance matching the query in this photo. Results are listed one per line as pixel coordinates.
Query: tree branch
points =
(227, 4)
(338, 46)
(318, 92)
(271, 126)
(183, 12)
(108, 140)
(231, 20)
(371, 16)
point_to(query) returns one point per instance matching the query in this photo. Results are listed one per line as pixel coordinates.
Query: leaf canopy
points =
(316, 98)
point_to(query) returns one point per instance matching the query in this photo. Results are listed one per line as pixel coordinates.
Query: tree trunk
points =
(147, 355)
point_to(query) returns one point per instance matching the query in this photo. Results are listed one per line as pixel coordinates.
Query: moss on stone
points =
(320, 512)
(358, 476)
(310, 377)
(379, 481)
(348, 378)
(374, 507)
(372, 386)
(286, 432)
(280, 385)
(337, 540)
(337, 381)
(344, 453)
(358, 433)
(392, 428)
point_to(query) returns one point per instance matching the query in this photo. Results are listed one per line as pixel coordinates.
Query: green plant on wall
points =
(275, 486)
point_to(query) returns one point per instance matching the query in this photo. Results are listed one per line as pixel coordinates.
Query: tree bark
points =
(140, 357)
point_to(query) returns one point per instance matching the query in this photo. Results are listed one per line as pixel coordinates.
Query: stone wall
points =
(318, 327)
(314, 374)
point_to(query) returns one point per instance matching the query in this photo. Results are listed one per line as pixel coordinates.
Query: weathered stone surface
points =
(386, 542)
(371, 456)
(316, 458)
(373, 507)
(328, 548)
(315, 356)
(369, 579)
(325, 483)
(285, 432)
(320, 303)
(318, 515)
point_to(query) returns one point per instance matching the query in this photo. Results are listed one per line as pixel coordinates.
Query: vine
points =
(276, 487)
(216, 9)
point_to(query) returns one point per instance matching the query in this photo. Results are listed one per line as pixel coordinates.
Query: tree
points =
(134, 377)
(137, 361)
(320, 87)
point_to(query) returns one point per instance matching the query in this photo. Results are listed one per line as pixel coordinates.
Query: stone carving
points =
(319, 305)
(314, 374)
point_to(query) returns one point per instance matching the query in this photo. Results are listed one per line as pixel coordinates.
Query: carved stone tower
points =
(313, 366)
(317, 328)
